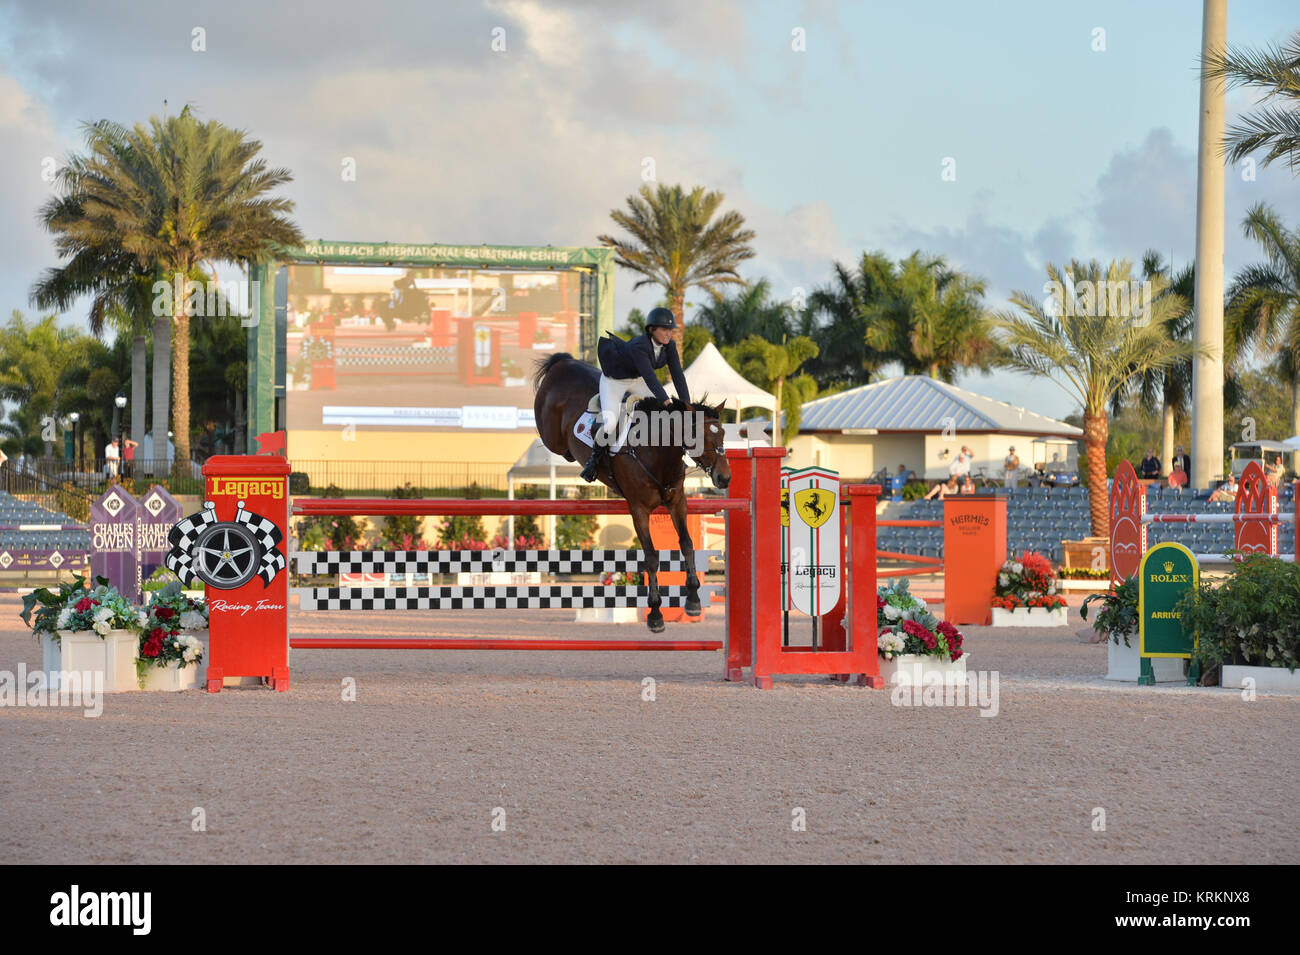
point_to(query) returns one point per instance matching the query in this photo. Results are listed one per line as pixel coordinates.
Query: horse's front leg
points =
(641, 521)
(678, 511)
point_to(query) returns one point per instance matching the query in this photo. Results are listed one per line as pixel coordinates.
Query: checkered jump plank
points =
(421, 562)
(560, 596)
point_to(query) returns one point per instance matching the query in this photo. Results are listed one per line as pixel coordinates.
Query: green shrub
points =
(1252, 618)
(1118, 616)
(399, 529)
(915, 490)
(329, 533)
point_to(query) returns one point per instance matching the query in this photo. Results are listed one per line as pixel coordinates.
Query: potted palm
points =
(85, 631)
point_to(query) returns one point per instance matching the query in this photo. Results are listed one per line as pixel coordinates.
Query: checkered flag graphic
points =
(182, 538)
(269, 537)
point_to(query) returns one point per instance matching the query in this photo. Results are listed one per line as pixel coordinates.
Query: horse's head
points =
(712, 457)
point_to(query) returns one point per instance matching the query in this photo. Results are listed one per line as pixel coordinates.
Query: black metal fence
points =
(382, 478)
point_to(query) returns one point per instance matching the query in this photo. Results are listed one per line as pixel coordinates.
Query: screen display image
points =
(391, 348)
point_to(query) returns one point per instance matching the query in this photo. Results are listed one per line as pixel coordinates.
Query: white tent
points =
(710, 375)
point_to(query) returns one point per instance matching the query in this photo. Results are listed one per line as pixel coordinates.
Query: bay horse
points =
(646, 475)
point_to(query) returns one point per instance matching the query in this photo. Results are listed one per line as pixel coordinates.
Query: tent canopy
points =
(710, 375)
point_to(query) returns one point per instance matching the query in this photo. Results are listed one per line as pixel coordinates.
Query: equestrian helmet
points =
(660, 318)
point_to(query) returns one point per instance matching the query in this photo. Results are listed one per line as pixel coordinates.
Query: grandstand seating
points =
(15, 512)
(1038, 519)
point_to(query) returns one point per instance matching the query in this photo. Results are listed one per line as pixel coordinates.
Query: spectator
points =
(1181, 461)
(128, 458)
(1275, 473)
(1150, 466)
(1011, 467)
(1227, 491)
(904, 474)
(942, 490)
(1178, 478)
(112, 459)
(960, 468)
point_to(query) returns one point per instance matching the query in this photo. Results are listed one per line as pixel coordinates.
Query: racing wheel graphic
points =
(225, 554)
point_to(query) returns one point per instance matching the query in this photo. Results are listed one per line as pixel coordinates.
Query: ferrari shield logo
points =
(815, 506)
(785, 507)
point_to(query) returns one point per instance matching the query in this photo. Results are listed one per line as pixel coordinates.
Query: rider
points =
(630, 366)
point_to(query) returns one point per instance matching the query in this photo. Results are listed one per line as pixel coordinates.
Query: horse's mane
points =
(651, 403)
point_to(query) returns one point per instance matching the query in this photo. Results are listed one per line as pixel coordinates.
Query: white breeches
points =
(611, 393)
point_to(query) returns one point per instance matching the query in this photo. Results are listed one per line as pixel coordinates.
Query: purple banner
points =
(153, 522)
(29, 558)
(113, 541)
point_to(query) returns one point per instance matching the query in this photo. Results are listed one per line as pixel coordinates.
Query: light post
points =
(119, 402)
(75, 416)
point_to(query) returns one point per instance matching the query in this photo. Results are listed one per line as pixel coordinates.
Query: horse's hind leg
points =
(641, 521)
(678, 511)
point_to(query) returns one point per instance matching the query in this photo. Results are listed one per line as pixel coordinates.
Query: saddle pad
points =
(587, 421)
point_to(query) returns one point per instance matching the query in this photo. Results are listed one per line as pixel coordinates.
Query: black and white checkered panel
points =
(268, 536)
(608, 561)
(380, 355)
(182, 538)
(559, 596)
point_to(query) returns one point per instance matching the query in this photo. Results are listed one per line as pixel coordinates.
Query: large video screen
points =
(393, 349)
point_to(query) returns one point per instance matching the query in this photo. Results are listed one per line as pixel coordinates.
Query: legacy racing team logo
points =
(225, 554)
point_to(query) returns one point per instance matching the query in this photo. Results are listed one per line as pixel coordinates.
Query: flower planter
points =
(1125, 664)
(84, 650)
(608, 615)
(1030, 617)
(171, 678)
(908, 663)
(1268, 679)
(1083, 584)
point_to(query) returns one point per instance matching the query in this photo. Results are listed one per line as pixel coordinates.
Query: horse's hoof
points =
(655, 621)
(693, 607)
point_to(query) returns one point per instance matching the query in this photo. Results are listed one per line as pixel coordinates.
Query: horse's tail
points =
(546, 364)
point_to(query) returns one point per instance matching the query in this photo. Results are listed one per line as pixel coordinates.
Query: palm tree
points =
(1264, 300)
(33, 357)
(1169, 388)
(837, 318)
(674, 244)
(1097, 349)
(751, 311)
(1276, 129)
(173, 196)
(930, 319)
(773, 366)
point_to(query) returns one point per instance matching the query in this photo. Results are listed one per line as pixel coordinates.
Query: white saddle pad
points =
(588, 421)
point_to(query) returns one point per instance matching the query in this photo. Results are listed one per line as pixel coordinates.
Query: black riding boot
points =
(593, 464)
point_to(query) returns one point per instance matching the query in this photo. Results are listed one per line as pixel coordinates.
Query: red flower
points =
(157, 633)
(84, 604)
(164, 613)
(152, 647)
(956, 653)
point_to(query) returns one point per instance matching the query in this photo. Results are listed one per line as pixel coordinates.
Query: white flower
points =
(65, 617)
(920, 604)
(102, 627)
(892, 612)
(1051, 590)
(142, 618)
(1003, 580)
(103, 614)
(193, 620)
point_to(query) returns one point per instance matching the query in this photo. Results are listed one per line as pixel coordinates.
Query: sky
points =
(1071, 126)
